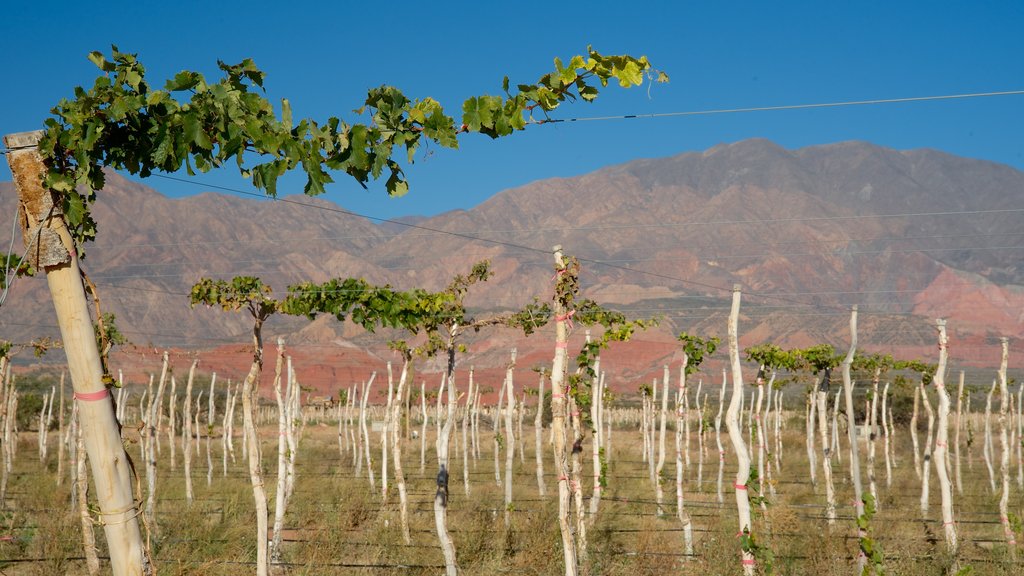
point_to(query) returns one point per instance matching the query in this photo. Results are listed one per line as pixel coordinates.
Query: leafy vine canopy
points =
(125, 123)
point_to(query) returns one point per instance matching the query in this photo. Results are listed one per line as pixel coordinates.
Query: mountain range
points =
(908, 236)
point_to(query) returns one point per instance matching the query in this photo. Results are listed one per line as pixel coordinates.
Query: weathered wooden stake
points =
(51, 249)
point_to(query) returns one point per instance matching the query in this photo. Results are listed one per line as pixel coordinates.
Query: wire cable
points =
(840, 104)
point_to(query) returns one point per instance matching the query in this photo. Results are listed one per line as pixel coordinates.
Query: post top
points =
(22, 139)
(556, 248)
(736, 287)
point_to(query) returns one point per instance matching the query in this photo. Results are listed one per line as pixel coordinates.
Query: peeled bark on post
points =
(851, 430)
(702, 446)
(60, 429)
(1020, 437)
(759, 430)
(51, 249)
(558, 428)
(280, 493)
(645, 450)
(538, 431)
(778, 430)
(520, 437)
(826, 450)
(423, 427)
(663, 417)
(210, 415)
(259, 493)
(441, 495)
(987, 447)
(467, 415)
(941, 441)
(836, 452)
(926, 468)
(873, 435)
(496, 425)
(576, 479)
(732, 424)
(681, 513)
(652, 422)
(396, 453)
(365, 432)
(92, 561)
(686, 428)
(812, 459)
(1004, 461)
(171, 425)
(385, 438)
(186, 431)
(885, 431)
(596, 418)
(510, 445)
(913, 432)
(957, 425)
(718, 436)
(152, 433)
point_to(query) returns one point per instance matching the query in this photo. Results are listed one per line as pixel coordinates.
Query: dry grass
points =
(336, 525)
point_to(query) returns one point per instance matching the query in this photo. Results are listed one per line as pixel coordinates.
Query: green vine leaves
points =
(13, 265)
(441, 316)
(123, 122)
(697, 350)
(240, 292)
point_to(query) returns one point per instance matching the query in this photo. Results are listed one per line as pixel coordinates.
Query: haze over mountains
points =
(907, 235)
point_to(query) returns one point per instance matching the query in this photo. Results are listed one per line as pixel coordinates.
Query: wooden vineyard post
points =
(442, 446)
(886, 432)
(510, 445)
(927, 460)
(558, 418)
(51, 249)
(826, 447)
(396, 445)
(851, 429)
(152, 433)
(186, 430)
(732, 424)
(662, 426)
(718, 436)
(1004, 461)
(942, 440)
(81, 487)
(957, 426)
(812, 461)
(496, 425)
(60, 429)
(538, 428)
(987, 447)
(280, 493)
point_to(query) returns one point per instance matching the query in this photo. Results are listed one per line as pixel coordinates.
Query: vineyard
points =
(344, 515)
(823, 459)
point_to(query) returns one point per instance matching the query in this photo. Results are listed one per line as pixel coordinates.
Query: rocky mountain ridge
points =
(906, 235)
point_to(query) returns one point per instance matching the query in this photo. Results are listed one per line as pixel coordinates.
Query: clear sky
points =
(323, 56)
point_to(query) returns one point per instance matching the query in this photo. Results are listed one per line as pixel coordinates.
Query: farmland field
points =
(337, 525)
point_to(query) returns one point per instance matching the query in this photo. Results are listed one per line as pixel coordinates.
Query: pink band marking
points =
(92, 396)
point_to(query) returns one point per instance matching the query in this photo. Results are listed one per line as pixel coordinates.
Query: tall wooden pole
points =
(51, 249)
(732, 424)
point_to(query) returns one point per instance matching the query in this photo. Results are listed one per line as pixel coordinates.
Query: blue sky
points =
(323, 57)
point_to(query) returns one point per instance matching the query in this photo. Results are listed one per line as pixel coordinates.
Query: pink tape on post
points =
(92, 396)
(749, 562)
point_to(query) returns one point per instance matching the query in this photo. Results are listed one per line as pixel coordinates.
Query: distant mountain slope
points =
(904, 234)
